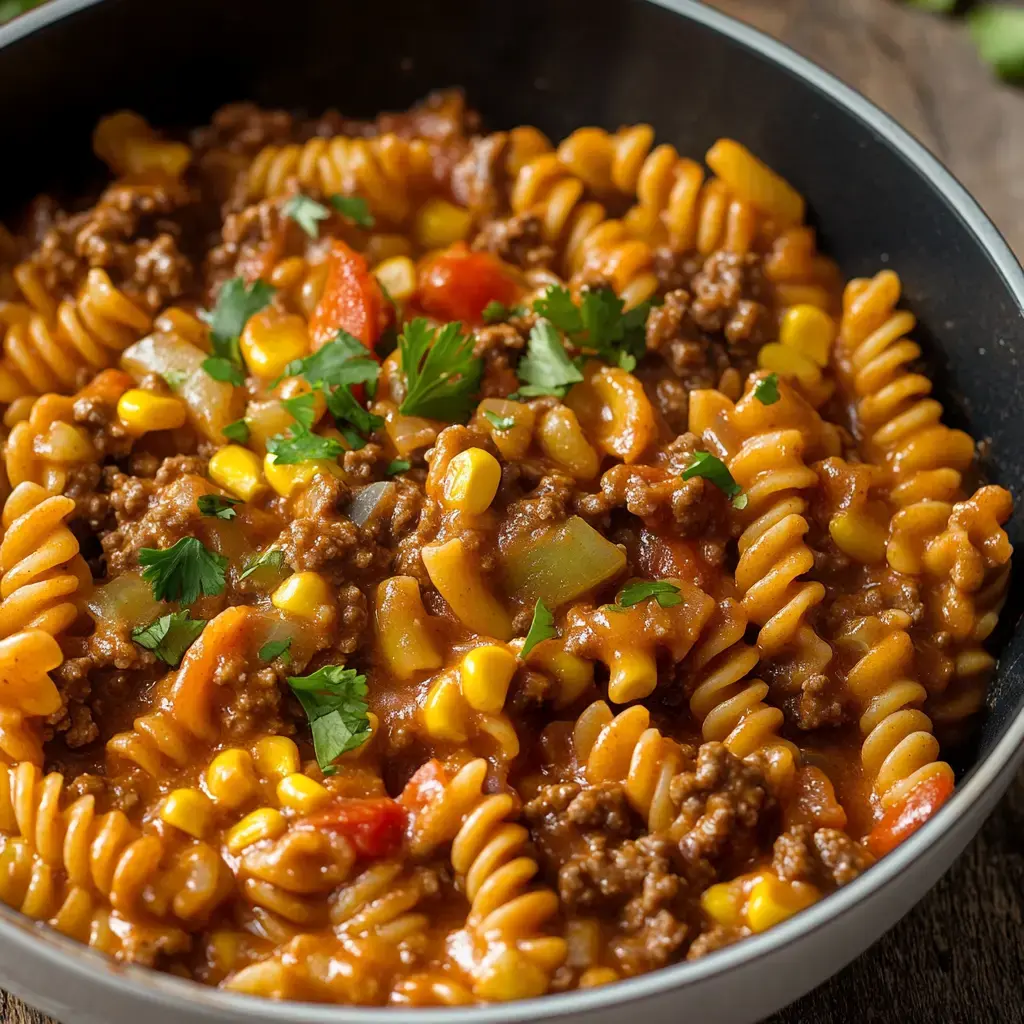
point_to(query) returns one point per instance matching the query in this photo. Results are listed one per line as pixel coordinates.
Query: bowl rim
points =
(63, 954)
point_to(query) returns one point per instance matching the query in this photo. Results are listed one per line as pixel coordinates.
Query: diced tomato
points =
(426, 783)
(374, 826)
(458, 284)
(816, 802)
(903, 820)
(352, 300)
(671, 558)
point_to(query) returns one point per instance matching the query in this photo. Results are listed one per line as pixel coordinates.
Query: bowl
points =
(878, 197)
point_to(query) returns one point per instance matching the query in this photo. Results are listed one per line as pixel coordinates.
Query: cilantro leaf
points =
(495, 312)
(225, 370)
(184, 571)
(235, 305)
(272, 558)
(302, 445)
(237, 431)
(355, 208)
(557, 306)
(546, 369)
(302, 408)
(998, 34)
(175, 379)
(276, 649)
(710, 468)
(442, 374)
(499, 422)
(218, 505)
(306, 212)
(170, 636)
(666, 594)
(397, 466)
(342, 361)
(354, 422)
(766, 390)
(333, 699)
(541, 628)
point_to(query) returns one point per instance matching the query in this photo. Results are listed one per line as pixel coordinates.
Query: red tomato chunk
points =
(459, 284)
(903, 820)
(374, 826)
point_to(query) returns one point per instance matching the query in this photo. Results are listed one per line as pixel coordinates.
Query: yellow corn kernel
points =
(485, 674)
(509, 976)
(303, 594)
(398, 276)
(265, 823)
(301, 793)
(440, 223)
(231, 779)
(271, 340)
(276, 756)
(287, 478)
(594, 976)
(810, 331)
(189, 810)
(723, 903)
(403, 628)
(471, 481)
(237, 470)
(141, 411)
(772, 900)
(445, 711)
(380, 247)
(456, 574)
(859, 535)
(789, 362)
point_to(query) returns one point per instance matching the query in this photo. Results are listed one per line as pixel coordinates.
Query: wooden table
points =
(959, 956)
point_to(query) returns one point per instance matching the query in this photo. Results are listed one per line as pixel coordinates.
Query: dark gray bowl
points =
(879, 199)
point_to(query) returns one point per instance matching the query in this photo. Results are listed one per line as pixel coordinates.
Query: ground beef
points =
(478, 179)
(549, 503)
(825, 857)
(98, 414)
(728, 294)
(675, 269)
(243, 129)
(248, 697)
(818, 704)
(336, 548)
(518, 240)
(253, 239)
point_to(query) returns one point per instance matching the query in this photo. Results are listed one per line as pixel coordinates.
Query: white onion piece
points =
(127, 598)
(363, 505)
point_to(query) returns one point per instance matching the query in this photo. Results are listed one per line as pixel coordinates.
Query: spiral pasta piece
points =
(42, 447)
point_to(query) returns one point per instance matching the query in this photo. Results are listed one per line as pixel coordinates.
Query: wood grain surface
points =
(959, 955)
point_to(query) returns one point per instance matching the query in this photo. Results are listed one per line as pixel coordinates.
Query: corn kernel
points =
(383, 246)
(471, 481)
(440, 223)
(237, 470)
(230, 779)
(772, 900)
(398, 276)
(301, 793)
(486, 673)
(189, 810)
(271, 340)
(265, 823)
(859, 535)
(141, 411)
(594, 976)
(810, 331)
(444, 711)
(723, 903)
(276, 756)
(509, 976)
(789, 362)
(289, 477)
(303, 594)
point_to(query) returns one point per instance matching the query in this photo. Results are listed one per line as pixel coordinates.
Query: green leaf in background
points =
(998, 33)
(935, 6)
(12, 8)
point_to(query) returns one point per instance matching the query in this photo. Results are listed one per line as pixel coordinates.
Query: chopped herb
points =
(355, 208)
(766, 390)
(397, 466)
(334, 701)
(170, 636)
(354, 422)
(998, 33)
(218, 505)
(329, 365)
(495, 312)
(546, 369)
(307, 213)
(442, 374)
(302, 445)
(666, 594)
(710, 468)
(235, 305)
(175, 379)
(276, 649)
(237, 431)
(183, 572)
(557, 306)
(272, 558)
(499, 422)
(223, 369)
(541, 628)
(302, 408)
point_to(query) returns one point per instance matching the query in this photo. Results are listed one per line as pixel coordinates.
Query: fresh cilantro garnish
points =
(276, 649)
(546, 369)
(175, 379)
(238, 431)
(170, 636)
(307, 213)
(235, 305)
(499, 422)
(666, 594)
(302, 408)
(184, 571)
(341, 362)
(710, 468)
(333, 699)
(272, 558)
(541, 628)
(496, 312)
(397, 466)
(442, 374)
(302, 445)
(766, 390)
(355, 208)
(218, 505)
(354, 422)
